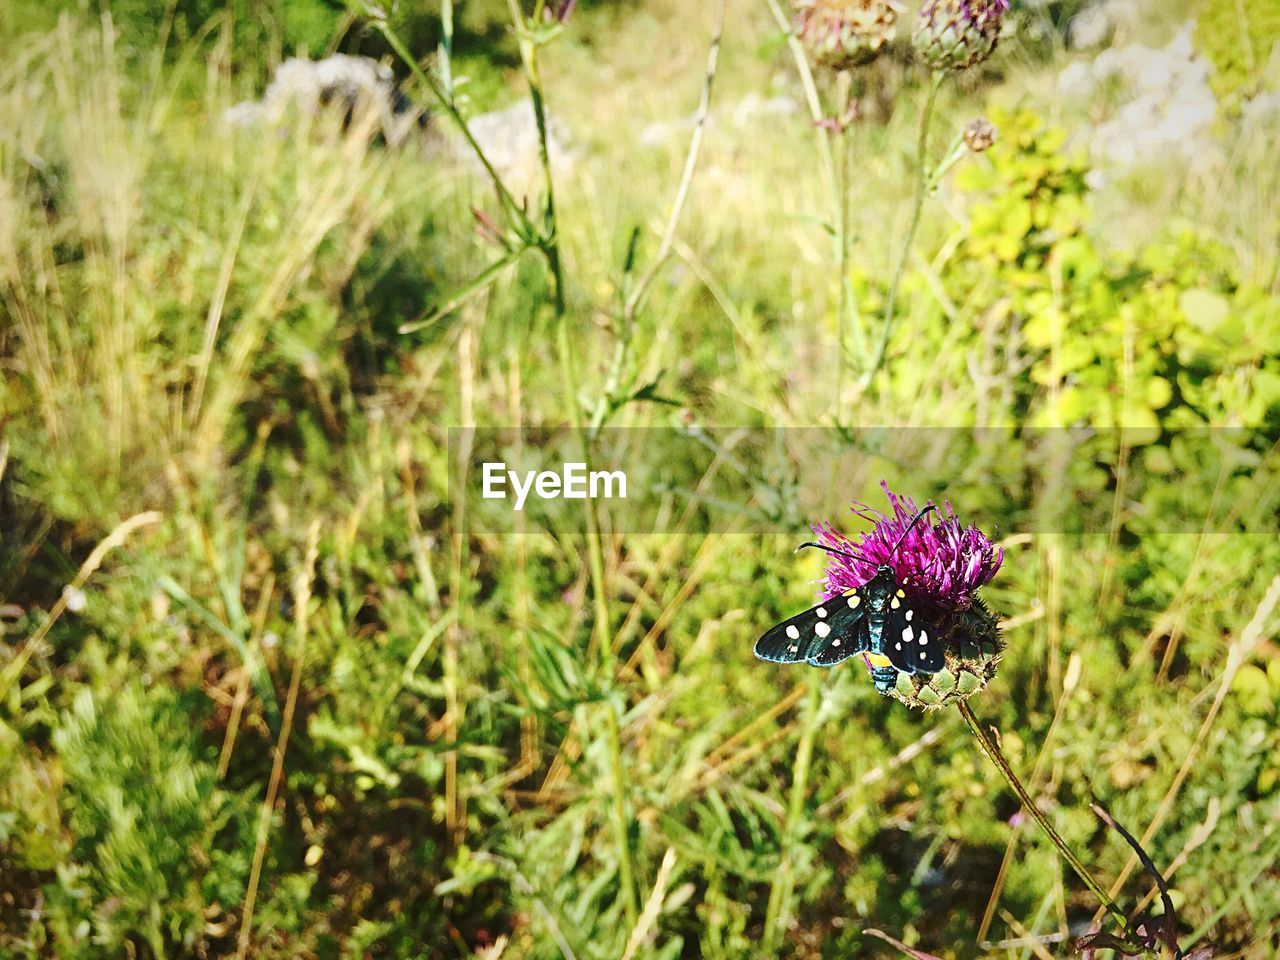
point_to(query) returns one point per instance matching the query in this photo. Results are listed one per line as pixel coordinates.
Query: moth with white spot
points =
(876, 619)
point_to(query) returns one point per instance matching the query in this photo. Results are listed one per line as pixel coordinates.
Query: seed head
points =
(971, 648)
(846, 33)
(958, 34)
(979, 134)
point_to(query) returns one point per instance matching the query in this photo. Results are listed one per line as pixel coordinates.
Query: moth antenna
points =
(839, 553)
(911, 526)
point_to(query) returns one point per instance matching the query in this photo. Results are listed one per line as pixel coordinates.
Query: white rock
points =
(1167, 106)
(347, 83)
(509, 139)
(1096, 24)
(1262, 107)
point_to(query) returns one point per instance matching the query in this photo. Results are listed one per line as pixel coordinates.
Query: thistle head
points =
(958, 34)
(939, 561)
(940, 564)
(846, 33)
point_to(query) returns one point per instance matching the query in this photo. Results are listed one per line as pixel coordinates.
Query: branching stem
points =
(922, 183)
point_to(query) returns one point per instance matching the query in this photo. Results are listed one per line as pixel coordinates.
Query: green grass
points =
(205, 325)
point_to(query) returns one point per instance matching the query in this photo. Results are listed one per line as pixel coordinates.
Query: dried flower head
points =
(979, 134)
(958, 34)
(940, 564)
(846, 33)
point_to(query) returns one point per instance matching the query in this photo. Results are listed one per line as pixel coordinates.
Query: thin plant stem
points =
(633, 297)
(811, 96)
(603, 645)
(779, 906)
(476, 285)
(13, 669)
(595, 554)
(836, 178)
(844, 295)
(993, 752)
(446, 101)
(550, 241)
(637, 295)
(302, 599)
(922, 181)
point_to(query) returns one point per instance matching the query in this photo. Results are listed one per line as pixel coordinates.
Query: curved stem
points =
(446, 101)
(992, 750)
(922, 181)
(636, 297)
(549, 243)
(812, 99)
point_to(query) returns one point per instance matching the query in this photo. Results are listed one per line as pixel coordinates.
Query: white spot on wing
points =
(854, 601)
(835, 643)
(910, 614)
(793, 632)
(922, 655)
(907, 633)
(894, 603)
(821, 611)
(924, 637)
(821, 629)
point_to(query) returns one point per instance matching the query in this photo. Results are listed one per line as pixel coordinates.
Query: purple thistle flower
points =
(940, 563)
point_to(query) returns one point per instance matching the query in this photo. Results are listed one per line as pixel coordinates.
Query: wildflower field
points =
(981, 300)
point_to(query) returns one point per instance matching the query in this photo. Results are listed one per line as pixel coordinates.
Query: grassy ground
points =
(252, 667)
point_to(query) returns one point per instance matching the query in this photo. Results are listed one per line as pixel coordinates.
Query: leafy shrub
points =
(1239, 38)
(158, 846)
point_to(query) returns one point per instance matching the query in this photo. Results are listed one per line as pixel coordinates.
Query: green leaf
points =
(1254, 690)
(1204, 309)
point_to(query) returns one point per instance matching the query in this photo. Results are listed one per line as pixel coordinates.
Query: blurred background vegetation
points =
(223, 510)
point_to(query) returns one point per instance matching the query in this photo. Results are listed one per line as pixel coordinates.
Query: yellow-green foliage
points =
(1165, 335)
(1239, 38)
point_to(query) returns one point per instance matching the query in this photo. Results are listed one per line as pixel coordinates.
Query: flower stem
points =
(993, 752)
(922, 181)
(550, 238)
(550, 245)
(445, 98)
(846, 306)
(776, 914)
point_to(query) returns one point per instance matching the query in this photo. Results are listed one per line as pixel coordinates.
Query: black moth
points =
(876, 619)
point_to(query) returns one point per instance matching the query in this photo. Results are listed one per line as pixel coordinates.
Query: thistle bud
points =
(979, 134)
(972, 647)
(846, 33)
(958, 34)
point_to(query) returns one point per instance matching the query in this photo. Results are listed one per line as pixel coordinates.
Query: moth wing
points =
(850, 635)
(823, 635)
(911, 645)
